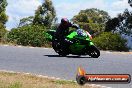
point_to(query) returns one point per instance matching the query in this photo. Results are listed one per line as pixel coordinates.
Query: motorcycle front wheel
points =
(94, 52)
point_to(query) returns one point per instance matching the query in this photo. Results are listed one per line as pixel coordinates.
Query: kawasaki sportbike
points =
(82, 44)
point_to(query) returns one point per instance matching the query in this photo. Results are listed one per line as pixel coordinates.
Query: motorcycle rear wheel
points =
(57, 47)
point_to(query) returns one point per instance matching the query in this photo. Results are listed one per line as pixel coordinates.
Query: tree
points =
(121, 24)
(32, 30)
(96, 15)
(3, 18)
(130, 2)
(26, 21)
(92, 20)
(111, 24)
(3, 31)
(45, 14)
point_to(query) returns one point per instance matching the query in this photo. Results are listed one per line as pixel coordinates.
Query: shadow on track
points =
(67, 56)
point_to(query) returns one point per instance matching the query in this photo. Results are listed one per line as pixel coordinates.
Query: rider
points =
(63, 30)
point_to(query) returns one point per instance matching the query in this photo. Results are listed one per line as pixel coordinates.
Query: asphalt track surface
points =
(44, 61)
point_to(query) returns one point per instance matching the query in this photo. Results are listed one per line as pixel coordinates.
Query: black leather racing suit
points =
(61, 32)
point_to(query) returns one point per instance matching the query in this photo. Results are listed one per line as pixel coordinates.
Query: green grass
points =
(15, 85)
(20, 80)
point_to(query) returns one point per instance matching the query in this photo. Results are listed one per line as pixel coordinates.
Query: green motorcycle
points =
(82, 44)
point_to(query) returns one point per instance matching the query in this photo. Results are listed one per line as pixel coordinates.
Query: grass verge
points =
(21, 80)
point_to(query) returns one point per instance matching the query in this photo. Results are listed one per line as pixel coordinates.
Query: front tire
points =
(94, 52)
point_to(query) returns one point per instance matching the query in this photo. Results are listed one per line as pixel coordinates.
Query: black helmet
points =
(64, 21)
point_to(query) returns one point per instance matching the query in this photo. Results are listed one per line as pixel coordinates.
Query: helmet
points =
(64, 21)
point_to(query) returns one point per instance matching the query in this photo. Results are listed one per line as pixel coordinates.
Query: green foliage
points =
(32, 35)
(111, 24)
(121, 24)
(92, 28)
(3, 4)
(3, 19)
(26, 21)
(32, 29)
(15, 85)
(110, 41)
(130, 2)
(92, 20)
(93, 14)
(3, 16)
(3, 31)
(45, 14)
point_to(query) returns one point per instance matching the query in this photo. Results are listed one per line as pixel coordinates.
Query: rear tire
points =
(94, 52)
(62, 54)
(57, 47)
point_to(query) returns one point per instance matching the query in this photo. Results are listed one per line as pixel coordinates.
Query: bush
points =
(32, 35)
(110, 41)
(3, 31)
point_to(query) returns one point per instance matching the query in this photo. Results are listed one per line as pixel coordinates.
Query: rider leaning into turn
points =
(63, 30)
